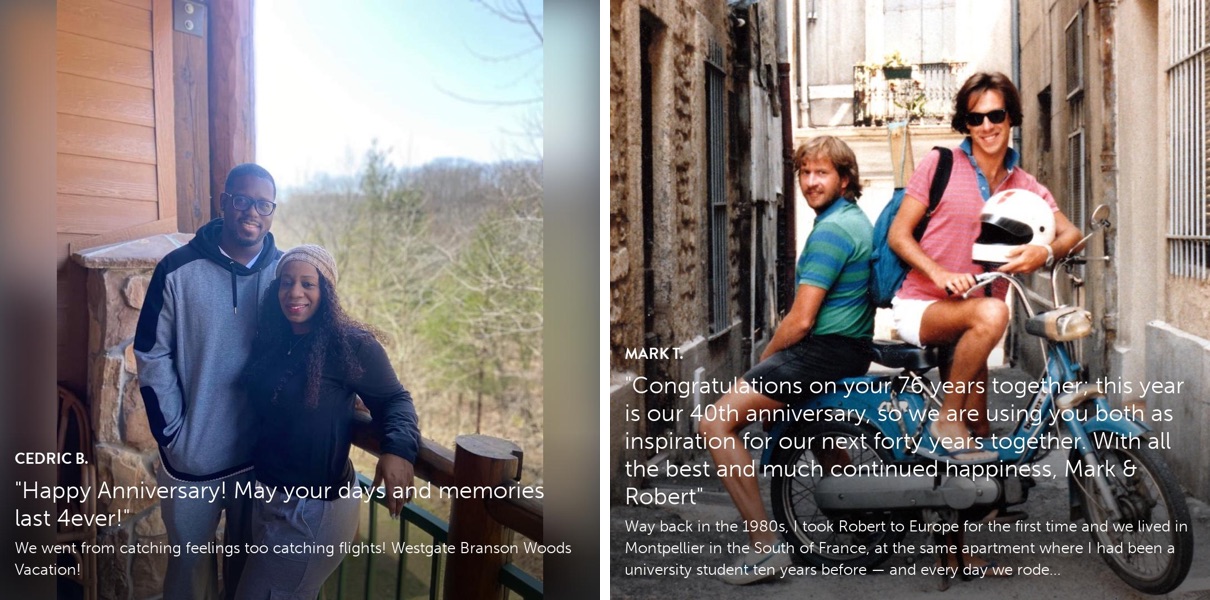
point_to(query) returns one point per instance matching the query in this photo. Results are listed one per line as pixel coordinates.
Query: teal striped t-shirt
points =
(836, 258)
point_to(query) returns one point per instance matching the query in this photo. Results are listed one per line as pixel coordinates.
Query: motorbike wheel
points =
(804, 524)
(1149, 495)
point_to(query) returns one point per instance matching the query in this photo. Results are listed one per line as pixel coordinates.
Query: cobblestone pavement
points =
(1081, 575)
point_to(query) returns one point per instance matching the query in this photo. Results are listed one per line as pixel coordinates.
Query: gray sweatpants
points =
(194, 575)
(307, 529)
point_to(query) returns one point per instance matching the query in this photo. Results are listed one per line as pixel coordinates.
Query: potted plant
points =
(895, 67)
(915, 106)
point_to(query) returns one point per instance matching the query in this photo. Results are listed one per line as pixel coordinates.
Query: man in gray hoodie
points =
(193, 337)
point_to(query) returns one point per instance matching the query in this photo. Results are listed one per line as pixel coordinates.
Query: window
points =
(1075, 54)
(923, 31)
(1188, 242)
(720, 307)
(1077, 152)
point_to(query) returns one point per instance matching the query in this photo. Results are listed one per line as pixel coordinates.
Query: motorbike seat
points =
(902, 355)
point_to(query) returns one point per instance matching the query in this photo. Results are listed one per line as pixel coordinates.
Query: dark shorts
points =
(813, 360)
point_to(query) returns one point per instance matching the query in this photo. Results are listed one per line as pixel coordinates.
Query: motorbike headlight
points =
(1073, 325)
(1061, 324)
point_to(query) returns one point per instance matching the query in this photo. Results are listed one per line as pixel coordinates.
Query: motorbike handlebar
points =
(984, 279)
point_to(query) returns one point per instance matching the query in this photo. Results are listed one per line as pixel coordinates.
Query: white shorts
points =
(908, 313)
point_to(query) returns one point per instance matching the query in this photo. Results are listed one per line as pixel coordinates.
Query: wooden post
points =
(163, 39)
(479, 460)
(232, 121)
(902, 163)
(191, 117)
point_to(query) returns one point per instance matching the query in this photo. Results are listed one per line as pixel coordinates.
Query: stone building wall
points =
(625, 227)
(680, 249)
(1175, 355)
(676, 35)
(126, 452)
(1161, 322)
(684, 40)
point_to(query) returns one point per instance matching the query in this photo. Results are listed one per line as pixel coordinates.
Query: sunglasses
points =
(974, 119)
(264, 207)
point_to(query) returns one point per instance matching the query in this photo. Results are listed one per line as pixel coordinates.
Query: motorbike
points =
(861, 470)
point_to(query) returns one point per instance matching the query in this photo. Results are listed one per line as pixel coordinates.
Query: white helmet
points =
(1012, 218)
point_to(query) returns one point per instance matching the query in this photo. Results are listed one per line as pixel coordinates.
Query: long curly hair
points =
(332, 330)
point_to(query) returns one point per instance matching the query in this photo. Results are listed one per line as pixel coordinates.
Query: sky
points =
(333, 76)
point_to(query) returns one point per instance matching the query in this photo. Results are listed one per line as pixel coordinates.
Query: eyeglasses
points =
(264, 207)
(974, 119)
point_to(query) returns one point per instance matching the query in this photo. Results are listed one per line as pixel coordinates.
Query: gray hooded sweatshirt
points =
(193, 337)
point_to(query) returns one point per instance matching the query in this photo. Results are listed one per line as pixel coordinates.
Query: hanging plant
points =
(895, 67)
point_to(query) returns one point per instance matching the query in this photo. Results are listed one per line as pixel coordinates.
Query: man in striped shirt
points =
(825, 337)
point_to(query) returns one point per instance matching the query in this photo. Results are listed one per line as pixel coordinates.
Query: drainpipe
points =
(1109, 168)
(786, 241)
(1016, 52)
(805, 16)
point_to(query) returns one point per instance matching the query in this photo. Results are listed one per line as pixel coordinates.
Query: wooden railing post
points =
(479, 460)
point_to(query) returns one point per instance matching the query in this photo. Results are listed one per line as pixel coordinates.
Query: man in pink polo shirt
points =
(986, 108)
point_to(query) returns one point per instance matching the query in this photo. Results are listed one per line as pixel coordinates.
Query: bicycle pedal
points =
(1010, 517)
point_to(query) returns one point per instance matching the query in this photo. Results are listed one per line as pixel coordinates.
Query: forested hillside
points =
(445, 261)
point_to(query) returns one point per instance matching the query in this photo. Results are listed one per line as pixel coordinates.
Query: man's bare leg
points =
(975, 326)
(730, 419)
(976, 404)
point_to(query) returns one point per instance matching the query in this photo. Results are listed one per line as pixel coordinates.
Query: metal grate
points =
(1188, 242)
(720, 306)
(1077, 186)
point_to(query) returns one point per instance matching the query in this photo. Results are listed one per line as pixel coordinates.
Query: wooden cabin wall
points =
(107, 159)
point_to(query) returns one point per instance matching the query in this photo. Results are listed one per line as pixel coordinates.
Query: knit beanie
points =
(313, 255)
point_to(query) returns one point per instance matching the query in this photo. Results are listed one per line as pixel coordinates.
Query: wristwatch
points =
(1050, 256)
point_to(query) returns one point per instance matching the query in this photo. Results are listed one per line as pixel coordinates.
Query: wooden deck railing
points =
(75, 435)
(476, 462)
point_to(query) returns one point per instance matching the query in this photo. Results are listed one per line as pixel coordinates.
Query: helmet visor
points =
(1004, 231)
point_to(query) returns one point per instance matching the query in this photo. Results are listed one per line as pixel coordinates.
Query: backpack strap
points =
(941, 179)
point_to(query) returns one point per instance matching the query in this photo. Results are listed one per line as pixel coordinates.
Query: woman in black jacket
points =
(308, 360)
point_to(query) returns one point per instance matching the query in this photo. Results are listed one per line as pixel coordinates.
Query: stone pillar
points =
(126, 453)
